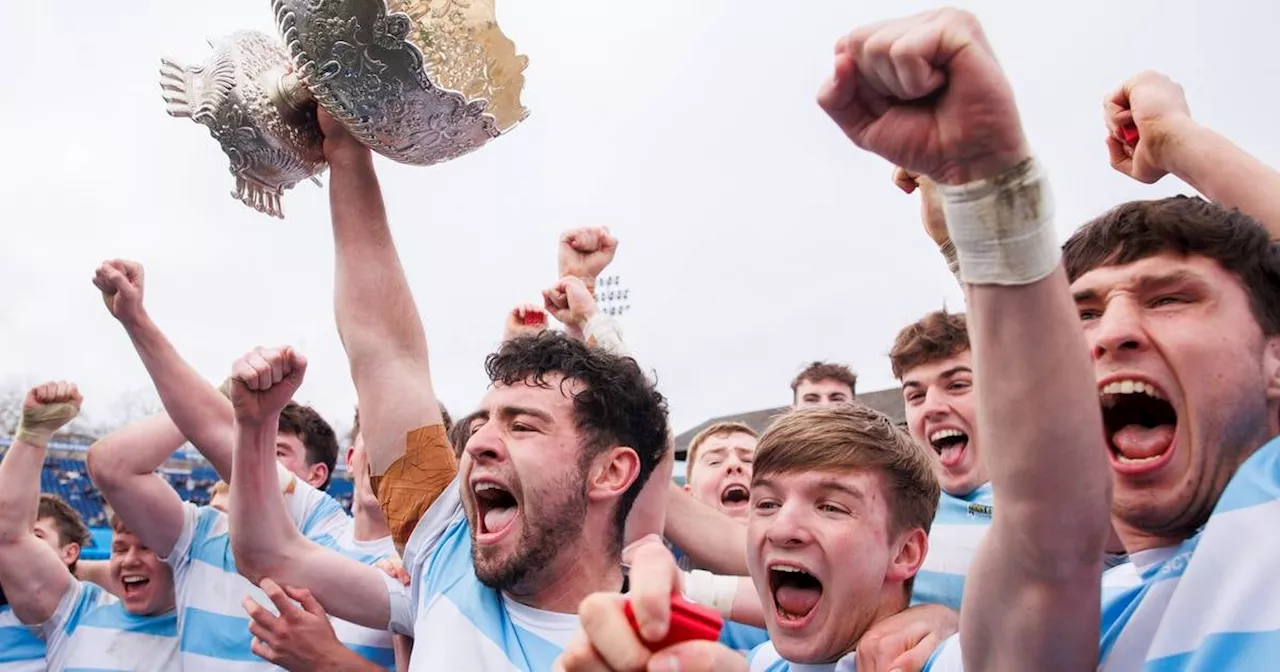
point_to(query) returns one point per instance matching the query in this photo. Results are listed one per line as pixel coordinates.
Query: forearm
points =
(1226, 174)
(19, 490)
(377, 318)
(196, 407)
(716, 542)
(263, 536)
(1036, 578)
(135, 450)
(1041, 422)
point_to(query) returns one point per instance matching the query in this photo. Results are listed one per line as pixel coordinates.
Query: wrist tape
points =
(1002, 227)
(710, 590)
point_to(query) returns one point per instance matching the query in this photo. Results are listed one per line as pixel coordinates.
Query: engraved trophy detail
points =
(418, 81)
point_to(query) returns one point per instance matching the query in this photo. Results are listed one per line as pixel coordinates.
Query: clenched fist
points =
(524, 320)
(927, 94)
(1157, 106)
(263, 382)
(584, 253)
(46, 409)
(571, 303)
(121, 284)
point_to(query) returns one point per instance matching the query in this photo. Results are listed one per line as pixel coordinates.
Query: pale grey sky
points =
(754, 236)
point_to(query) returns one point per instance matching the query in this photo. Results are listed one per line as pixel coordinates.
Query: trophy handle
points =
(258, 110)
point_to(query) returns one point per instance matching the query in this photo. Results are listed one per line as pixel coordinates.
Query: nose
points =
(486, 444)
(788, 527)
(1118, 330)
(935, 406)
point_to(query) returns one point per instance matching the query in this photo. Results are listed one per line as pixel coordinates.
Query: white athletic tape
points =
(710, 590)
(1002, 227)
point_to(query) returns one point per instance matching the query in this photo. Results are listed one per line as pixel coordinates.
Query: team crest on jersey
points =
(979, 510)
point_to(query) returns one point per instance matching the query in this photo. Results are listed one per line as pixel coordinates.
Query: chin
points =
(807, 650)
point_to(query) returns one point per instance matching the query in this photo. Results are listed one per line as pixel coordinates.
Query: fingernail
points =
(667, 664)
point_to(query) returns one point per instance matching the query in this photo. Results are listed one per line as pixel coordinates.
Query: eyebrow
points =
(949, 373)
(509, 412)
(1145, 284)
(823, 486)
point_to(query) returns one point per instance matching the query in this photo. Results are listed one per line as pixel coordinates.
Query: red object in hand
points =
(689, 622)
(534, 318)
(1130, 134)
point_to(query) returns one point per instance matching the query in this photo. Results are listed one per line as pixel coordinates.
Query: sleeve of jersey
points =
(413, 482)
(186, 541)
(80, 599)
(438, 544)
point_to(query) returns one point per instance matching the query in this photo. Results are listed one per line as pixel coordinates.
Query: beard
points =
(545, 532)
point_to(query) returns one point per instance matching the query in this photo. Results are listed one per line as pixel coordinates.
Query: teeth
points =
(788, 568)
(1131, 387)
(130, 580)
(944, 434)
(482, 487)
(1137, 460)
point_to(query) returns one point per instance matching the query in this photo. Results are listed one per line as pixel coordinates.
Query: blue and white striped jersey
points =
(20, 649)
(213, 626)
(459, 623)
(91, 631)
(958, 529)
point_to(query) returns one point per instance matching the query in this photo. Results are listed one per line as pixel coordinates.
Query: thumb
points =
(308, 601)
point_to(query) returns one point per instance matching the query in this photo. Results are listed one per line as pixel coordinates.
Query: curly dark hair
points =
(617, 405)
(1186, 226)
(316, 435)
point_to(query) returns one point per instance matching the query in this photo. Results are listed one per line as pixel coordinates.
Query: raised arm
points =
(122, 466)
(1170, 141)
(715, 541)
(33, 576)
(385, 341)
(264, 539)
(1032, 593)
(196, 407)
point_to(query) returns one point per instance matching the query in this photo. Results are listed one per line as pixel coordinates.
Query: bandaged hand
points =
(46, 409)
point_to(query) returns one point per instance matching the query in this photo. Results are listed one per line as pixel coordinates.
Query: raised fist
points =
(263, 382)
(1157, 106)
(584, 253)
(337, 139)
(525, 320)
(927, 94)
(46, 409)
(931, 212)
(571, 303)
(121, 284)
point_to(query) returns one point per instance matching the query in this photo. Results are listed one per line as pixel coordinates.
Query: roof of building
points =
(887, 401)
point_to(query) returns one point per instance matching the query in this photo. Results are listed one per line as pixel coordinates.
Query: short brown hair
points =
(818, 371)
(937, 336)
(1188, 227)
(316, 435)
(849, 437)
(71, 527)
(460, 433)
(717, 429)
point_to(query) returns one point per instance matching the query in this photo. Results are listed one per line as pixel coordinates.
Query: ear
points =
(912, 547)
(70, 554)
(317, 474)
(612, 473)
(351, 454)
(1271, 368)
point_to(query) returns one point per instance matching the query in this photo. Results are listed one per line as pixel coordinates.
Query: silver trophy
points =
(418, 81)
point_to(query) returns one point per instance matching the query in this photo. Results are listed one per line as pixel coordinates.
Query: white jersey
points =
(208, 589)
(90, 630)
(20, 649)
(459, 623)
(958, 529)
(765, 658)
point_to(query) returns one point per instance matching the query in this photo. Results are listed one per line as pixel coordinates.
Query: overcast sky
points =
(754, 237)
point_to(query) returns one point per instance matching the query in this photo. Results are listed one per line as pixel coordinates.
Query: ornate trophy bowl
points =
(418, 81)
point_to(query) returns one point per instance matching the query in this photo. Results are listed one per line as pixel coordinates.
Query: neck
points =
(370, 525)
(591, 570)
(1136, 541)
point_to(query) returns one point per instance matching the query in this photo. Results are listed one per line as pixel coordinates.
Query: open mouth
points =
(796, 593)
(950, 445)
(134, 584)
(1140, 425)
(496, 510)
(735, 496)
